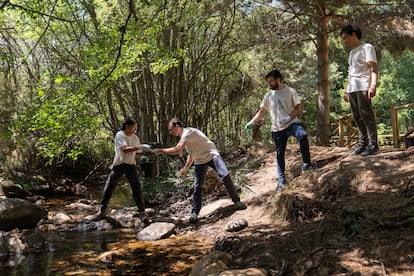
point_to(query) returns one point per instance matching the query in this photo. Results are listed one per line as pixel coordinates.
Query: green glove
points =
(248, 126)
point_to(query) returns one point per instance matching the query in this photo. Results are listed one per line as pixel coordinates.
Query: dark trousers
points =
(363, 114)
(115, 175)
(281, 137)
(199, 175)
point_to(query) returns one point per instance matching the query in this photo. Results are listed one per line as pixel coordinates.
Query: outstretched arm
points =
(258, 116)
(177, 149)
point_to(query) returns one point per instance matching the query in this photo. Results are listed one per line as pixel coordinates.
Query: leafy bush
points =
(61, 125)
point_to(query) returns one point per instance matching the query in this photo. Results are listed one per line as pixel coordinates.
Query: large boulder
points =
(12, 190)
(156, 231)
(217, 209)
(19, 213)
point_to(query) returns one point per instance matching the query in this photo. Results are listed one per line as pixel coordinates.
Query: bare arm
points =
(259, 115)
(295, 112)
(127, 149)
(372, 91)
(177, 149)
(187, 165)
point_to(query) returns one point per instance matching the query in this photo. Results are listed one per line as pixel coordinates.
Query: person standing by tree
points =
(127, 144)
(283, 104)
(203, 152)
(362, 83)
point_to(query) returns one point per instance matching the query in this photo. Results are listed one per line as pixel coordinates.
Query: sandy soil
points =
(352, 216)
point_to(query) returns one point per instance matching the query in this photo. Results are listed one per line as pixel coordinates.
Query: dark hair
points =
(176, 122)
(128, 122)
(274, 73)
(352, 28)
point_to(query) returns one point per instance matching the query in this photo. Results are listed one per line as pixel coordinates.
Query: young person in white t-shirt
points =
(127, 145)
(283, 104)
(362, 83)
(203, 153)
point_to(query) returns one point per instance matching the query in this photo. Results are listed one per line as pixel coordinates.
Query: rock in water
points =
(19, 213)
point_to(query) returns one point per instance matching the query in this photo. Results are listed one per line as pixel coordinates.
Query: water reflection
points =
(122, 195)
(77, 253)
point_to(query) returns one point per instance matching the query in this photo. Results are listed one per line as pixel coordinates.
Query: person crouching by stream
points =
(127, 144)
(203, 152)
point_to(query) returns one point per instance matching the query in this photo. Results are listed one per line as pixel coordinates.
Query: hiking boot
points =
(281, 184)
(240, 205)
(193, 218)
(370, 150)
(357, 150)
(309, 167)
(101, 214)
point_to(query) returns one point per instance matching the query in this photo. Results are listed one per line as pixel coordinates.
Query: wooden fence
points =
(346, 134)
(394, 118)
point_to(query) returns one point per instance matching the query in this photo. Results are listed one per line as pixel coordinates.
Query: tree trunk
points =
(323, 125)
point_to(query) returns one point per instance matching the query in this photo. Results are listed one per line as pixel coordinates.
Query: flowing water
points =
(80, 253)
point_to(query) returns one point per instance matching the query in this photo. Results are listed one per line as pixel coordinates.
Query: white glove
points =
(285, 120)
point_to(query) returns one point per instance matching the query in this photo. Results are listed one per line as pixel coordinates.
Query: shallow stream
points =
(79, 253)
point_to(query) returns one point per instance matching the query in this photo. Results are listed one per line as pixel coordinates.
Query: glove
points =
(285, 120)
(248, 126)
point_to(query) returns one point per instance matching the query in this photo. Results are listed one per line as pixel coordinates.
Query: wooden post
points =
(394, 120)
(341, 133)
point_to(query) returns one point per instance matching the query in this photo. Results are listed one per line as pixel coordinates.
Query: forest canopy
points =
(72, 70)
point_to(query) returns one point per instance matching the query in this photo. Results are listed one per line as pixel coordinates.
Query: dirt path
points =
(353, 216)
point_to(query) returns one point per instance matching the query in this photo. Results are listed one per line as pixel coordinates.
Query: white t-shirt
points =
(198, 145)
(280, 103)
(359, 78)
(122, 157)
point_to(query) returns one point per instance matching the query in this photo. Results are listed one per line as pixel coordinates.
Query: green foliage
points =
(395, 88)
(62, 123)
(72, 69)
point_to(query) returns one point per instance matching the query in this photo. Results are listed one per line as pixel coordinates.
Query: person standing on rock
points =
(203, 153)
(362, 87)
(283, 104)
(127, 145)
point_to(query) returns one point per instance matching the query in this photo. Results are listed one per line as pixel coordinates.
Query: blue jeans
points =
(200, 171)
(281, 137)
(115, 175)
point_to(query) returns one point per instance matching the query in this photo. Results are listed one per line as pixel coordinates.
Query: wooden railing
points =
(394, 118)
(346, 131)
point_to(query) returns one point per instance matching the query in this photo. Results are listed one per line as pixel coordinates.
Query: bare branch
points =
(39, 12)
(310, 35)
(121, 44)
(44, 31)
(4, 4)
